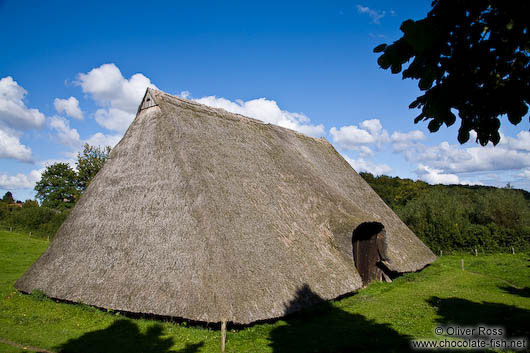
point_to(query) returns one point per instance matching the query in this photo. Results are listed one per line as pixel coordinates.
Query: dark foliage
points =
(395, 191)
(469, 56)
(30, 203)
(8, 198)
(458, 217)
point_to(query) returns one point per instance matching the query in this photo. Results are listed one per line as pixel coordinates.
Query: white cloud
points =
(114, 119)
(68, 106)
(525, 174)
(375, 15)
(471, 182)
(404, 141)
(10, 147)
(362, 165)
(70, 137)
(65, 134)
(436, 176)
(349, 137)
(457, 159)
(22, 181)
(265, 110)
(519, 143)
(365, 151)
(372, 125)
(356, 138)
(19, 181)
(117, 96)
(185, 94)
(13, 111)
(70, 161)
(445, 161)
(414, 135)
(102, 140)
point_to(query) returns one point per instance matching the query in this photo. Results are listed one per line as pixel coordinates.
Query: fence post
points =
(462, 264)
(513, 251)
(476, 252)
(223, 335)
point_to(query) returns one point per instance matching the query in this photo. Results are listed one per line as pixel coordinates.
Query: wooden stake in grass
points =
(462, 264)
(441, 252)
(476, 252)
(223, 335)
(513, 251)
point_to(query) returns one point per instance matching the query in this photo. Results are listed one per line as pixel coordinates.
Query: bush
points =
(40, 221)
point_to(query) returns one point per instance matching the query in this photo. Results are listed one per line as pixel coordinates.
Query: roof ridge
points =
(222, 113)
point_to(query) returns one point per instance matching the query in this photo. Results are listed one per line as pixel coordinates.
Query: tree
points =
(471, 56)
(30, 203)
(89, 162)
(58, 186)
(8, 198)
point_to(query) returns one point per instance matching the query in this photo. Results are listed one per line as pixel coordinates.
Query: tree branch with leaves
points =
(89, 162)
(470, 57)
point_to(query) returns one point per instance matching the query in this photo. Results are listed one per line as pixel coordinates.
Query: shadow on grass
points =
(124, 336)
(326, 328)
(462, 312)
(521, 292)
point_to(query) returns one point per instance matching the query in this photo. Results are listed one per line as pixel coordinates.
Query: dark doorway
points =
(369, 248)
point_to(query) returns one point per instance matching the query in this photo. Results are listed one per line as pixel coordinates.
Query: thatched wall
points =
(207, 215)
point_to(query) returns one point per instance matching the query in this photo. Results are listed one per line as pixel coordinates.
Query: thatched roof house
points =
(208, 215)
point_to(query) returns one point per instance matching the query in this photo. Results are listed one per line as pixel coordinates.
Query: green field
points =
(494, 290)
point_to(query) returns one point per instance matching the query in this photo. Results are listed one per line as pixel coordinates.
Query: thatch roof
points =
(207, 215)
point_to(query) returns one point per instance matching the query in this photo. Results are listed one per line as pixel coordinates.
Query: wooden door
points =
(367, 239)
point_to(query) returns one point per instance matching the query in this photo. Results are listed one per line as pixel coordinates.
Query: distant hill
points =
(459, 217)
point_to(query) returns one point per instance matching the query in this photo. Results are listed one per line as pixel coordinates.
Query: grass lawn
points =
(494, 290)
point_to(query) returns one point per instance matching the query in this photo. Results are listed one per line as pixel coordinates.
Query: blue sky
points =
(74, 72)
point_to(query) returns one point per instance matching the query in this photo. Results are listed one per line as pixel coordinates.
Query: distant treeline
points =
(30, 217)
(58, 190)
(459, 217)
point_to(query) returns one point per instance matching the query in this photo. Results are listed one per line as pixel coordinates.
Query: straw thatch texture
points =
(207, 215)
